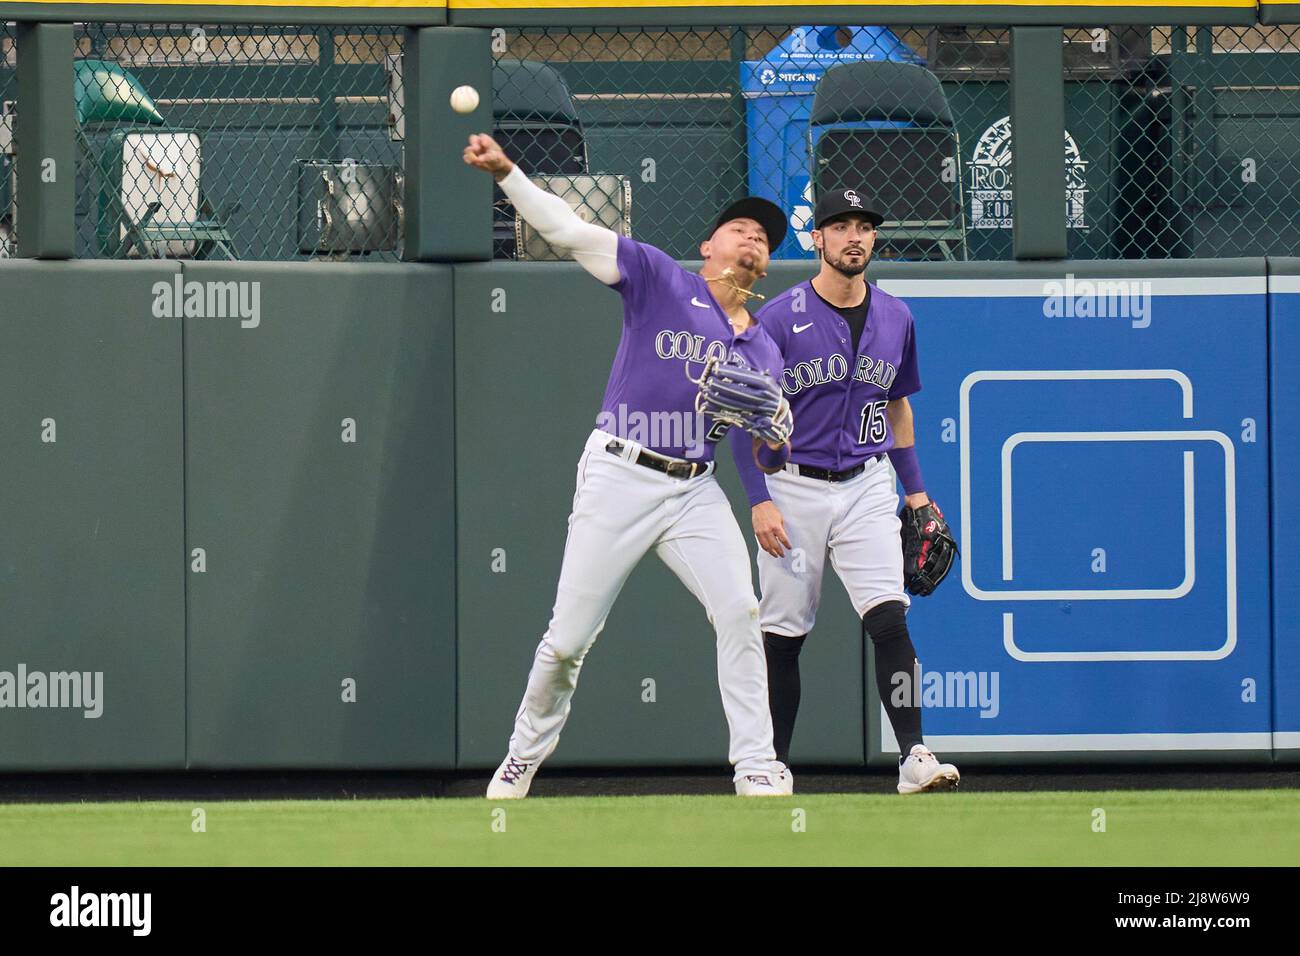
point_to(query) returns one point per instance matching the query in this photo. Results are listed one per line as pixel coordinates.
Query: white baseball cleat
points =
(922, 771)
(777, 782)
(512, 779)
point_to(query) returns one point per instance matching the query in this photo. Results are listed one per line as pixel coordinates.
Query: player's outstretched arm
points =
(595, 248)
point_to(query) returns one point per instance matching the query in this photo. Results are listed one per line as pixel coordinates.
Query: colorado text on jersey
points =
(807, 374)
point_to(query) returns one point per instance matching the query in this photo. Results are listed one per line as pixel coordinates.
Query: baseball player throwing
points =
(641, 492)
(850, 363)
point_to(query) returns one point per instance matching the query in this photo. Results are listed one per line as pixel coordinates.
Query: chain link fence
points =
(688, 120)
(1191, 147)
(1181, 142)
(239, 142)
(259, 142)
(8, 103)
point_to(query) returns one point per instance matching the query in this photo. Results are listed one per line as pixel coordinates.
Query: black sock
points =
(887, 627)
(783, 688)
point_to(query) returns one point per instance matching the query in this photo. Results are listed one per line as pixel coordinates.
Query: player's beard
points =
(844, 267)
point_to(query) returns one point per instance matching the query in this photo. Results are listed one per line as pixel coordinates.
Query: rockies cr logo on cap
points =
(852, 197)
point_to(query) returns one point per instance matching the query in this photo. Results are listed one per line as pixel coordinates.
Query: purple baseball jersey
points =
(671, 325)
(838, 389)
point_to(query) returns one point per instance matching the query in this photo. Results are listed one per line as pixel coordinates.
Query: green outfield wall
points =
(317, 521)
(240, 517)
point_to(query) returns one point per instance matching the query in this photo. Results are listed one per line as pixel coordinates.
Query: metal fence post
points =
(327, 112)
(45, 142)
(1038, 142)
(448, 204)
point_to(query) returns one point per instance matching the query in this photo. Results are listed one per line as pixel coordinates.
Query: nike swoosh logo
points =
(702, 305)
(803, 328)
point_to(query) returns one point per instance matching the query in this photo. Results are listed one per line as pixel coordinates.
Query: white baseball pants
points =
(856, 522)
(621, 510)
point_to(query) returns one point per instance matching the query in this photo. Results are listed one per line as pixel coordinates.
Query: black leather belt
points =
(672, 467)
(825, 474)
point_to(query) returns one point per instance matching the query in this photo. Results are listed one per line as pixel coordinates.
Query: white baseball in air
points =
(464, 99)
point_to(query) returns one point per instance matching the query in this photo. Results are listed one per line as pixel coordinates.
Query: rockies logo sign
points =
(990, 180)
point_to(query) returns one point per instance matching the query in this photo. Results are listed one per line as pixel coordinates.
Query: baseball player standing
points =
(850, 363)
(641, 492)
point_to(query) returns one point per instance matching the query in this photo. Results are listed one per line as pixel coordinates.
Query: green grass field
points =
(1161, 827)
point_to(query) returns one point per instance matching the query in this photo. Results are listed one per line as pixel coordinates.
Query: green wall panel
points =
(326, 560)
(529, 384)
(91, 546)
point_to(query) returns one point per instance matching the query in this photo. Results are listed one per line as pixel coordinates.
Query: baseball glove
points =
(928, 548)
(735, 393)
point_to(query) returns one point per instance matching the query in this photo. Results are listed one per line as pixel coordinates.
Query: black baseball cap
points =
(766, 214)
(841, 202)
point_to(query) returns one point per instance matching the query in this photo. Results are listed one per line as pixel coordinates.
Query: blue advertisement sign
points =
(1101, 448)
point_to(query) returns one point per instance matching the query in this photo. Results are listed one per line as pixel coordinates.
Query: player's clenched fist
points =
(769, 528)
(484, 153)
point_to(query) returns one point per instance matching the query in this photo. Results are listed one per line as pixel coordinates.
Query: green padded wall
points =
(91, 537)
(326, 560)
(529, 384)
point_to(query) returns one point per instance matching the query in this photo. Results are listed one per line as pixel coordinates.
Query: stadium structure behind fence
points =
(286, 142)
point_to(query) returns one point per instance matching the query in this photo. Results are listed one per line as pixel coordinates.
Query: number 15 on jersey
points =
(874, 427)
